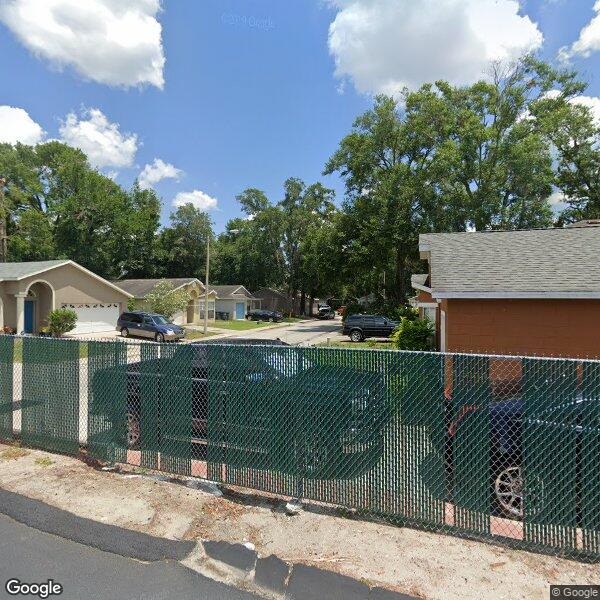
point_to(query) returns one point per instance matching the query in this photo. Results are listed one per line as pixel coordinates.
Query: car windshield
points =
(160, 320)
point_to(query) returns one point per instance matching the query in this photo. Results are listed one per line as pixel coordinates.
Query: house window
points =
(430, 312)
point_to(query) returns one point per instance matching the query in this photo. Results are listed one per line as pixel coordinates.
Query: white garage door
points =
(94, 318)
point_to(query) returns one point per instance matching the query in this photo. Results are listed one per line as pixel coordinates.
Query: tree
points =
(182, 246)
(165, 300)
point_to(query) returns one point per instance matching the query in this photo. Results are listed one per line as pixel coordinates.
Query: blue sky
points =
(231, 94)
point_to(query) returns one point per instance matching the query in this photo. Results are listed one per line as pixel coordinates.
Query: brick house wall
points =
(530, 327)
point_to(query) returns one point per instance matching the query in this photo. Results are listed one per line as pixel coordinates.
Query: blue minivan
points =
(149, 325)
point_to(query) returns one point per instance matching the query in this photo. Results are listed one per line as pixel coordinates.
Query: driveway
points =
(33, 556)
(303, 333)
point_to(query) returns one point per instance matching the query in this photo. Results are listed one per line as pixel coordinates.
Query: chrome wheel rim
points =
(133, 430)
(509, 491)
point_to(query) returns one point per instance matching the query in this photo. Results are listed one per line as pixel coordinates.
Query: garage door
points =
(94, 318)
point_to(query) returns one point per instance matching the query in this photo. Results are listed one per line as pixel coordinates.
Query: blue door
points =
(240, 310)
(28, 316)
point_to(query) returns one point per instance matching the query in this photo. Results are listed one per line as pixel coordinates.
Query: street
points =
(32, 556)
(303, 333)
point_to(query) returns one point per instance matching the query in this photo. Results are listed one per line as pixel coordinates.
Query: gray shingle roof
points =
(229, 291)
(19, 270)
(534, 263)
(140, 288)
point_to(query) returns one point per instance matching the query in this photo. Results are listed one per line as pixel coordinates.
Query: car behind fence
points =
(491, 447)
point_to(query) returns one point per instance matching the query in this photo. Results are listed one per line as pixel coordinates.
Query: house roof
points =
(140, 288)
(15, 271)
(230, 291)
(536, 263)
(263, 291)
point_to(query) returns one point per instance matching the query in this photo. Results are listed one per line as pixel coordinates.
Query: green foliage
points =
(417, 334)
(165, 300)
(61, 321)
(131, 304)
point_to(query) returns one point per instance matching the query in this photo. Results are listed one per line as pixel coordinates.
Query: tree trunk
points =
(312, 303)
(303, 302)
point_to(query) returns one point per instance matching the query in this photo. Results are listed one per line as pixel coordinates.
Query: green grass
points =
(366, 345)
(18, 349)
(238, 325)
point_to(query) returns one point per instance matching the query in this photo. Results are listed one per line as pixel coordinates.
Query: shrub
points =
(61, 321)
(417, 334)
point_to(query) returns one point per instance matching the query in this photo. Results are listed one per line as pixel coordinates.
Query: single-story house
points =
(30, 290)
(194, 313)
(234, 300)
(532, 292)
(271, 299)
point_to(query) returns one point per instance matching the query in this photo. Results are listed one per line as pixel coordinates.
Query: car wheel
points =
(159, 337)
(134, 433)
(124, 332)
(508, 491)
(356, 336)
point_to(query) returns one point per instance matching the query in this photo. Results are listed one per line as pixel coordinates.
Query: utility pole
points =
(206, 284)
(3, 244)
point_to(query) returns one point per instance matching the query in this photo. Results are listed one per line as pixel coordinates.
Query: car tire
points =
(134, 434)
(159, 337)
(508, 491)
(124, 332)
(356, 335)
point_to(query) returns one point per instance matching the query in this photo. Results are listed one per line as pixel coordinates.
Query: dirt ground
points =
(415, 562)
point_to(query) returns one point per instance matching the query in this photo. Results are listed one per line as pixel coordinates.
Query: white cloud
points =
(385, 45)
(115, 42)
(17, 126)
(589, 39)
(101, 140)
(591, 102)
(156, 171)
(199, 199)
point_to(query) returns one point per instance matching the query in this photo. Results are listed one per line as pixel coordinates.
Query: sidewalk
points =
(409, 561)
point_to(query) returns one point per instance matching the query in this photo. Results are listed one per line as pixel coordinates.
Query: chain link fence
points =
(490, 447)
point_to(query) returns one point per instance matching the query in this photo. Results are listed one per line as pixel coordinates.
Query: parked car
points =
(326, 312)
(511, 430)
(261, 400)
(149, 325)
(361, 327)
(264, 315)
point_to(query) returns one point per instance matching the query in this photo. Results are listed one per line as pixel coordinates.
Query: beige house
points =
(30, 290)
(194, 312)
(234, 301)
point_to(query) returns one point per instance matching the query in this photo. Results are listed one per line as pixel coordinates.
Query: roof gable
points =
(140, 288)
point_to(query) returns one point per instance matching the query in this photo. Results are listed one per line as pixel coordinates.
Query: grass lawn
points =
(196, 334)
(366, 345)
(238, 325)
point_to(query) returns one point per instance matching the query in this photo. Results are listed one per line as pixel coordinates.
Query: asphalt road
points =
(303, 333)
(83, 572)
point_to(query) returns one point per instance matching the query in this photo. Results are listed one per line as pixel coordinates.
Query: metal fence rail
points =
(493, 447)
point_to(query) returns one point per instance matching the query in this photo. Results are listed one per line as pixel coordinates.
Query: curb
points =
(294, 581)
(109, 538)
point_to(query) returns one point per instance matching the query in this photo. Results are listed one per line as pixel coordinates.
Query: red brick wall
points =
(531, 327)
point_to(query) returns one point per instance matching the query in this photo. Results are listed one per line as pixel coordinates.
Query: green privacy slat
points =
(471, 443)
(50, 390)
(107, 400)
(589, 445)
(422, 437)
(6, 386)
(550, 452)
(176, 408)
(144, 404)
(216, 389)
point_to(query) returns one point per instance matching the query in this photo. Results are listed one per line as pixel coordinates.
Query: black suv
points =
(361, 327)
(264, 315)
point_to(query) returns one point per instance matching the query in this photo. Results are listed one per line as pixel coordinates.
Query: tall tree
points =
(182, 245)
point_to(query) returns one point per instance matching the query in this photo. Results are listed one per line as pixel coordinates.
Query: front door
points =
(240, 310)
(29, 314)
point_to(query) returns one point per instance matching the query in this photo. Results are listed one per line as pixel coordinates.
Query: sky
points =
(203, 99)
